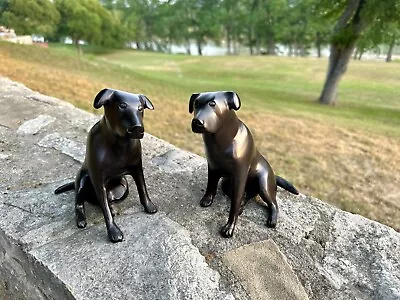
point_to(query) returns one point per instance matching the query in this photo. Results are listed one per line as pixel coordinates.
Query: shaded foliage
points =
(30, 16)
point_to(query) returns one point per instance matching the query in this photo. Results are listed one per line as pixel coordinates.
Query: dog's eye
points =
(122, 105)
(211, 103)
(140, 108)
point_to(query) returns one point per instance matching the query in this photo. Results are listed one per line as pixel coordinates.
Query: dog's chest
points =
(220, 159)
(118, 159)
(227, 157)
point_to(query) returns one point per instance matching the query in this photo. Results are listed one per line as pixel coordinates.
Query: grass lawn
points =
(347, 155)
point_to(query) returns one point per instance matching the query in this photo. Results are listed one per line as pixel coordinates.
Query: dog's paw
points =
(81, 223)
(272, 217)
(271, 222)
(150, 207)
(80, 216)
(227, 230)
(206, 201)
(115, 234)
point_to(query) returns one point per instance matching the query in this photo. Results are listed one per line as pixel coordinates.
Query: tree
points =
(250, 21)
(233, 18)
(88, 20)
(180, 24)
(394, 39)
(319, 23)
(355, 17)
(30, 16)
(390, 35)
(297, 31)
(140, 16)
(113, 33)
(202, 18)
(3, 7)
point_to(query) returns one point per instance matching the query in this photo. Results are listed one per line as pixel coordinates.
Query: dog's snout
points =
(136, 131)
(197, 125)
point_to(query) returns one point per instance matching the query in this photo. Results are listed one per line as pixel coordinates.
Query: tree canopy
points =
(30, 16)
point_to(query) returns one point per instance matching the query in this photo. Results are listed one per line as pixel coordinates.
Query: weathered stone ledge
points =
(316, 252)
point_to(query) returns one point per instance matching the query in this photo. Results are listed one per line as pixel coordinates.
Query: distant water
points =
(210, 49)
(207, 50)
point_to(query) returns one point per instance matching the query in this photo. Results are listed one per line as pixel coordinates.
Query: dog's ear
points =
(191, 101)
(102, 98)
(233, 100)
(146, 102)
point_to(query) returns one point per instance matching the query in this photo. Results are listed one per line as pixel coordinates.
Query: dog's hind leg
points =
(117, 189)
(212, 185)
(268, 195)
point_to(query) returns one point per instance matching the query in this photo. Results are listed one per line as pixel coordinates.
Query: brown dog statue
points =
(232, 155)
(113, 150)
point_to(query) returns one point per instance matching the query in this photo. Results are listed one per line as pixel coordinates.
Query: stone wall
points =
(316, 252)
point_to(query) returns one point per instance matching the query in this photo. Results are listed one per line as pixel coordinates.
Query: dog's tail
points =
(283, 183)
(65, 187)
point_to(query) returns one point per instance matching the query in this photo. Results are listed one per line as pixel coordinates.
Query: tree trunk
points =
(78, 47)
(258, 46)
(199, 49)
(253, 7)
(349, 22)
(391, 46)
(318, 43)
(355, 53)
(188, 52)
(360, 54)
(271, 46)
(338, 61)
(250, 40)
(228, 41)
(290, 52)
(235, 45)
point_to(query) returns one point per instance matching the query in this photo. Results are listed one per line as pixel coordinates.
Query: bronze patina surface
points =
(113, 150)
(232, 155)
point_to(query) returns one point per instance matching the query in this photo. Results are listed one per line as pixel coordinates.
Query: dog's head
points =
(123, 112)
(211, 109)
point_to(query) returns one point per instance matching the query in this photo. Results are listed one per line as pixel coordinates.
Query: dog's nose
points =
(197, 125)
(136, 131)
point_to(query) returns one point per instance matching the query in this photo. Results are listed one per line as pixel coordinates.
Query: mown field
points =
(347, 155)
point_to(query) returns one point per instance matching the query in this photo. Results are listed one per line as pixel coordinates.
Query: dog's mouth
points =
(135, 132)
(198, 126)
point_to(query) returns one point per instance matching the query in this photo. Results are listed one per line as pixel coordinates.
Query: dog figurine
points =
(232, 155)
(113, 150)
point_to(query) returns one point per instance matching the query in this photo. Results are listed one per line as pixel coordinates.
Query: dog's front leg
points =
(212, 184)
(137, 174)
(114, 233)
(238, 187)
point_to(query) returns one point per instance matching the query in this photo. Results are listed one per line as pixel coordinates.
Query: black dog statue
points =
(113, 150)
(232, 155)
